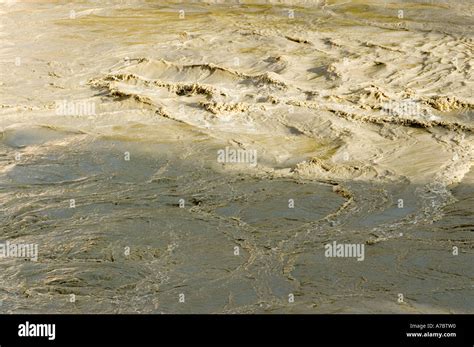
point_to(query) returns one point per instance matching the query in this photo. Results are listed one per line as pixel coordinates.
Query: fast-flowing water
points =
(199, 157)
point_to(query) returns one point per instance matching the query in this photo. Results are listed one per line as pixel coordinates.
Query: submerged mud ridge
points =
(358, 119)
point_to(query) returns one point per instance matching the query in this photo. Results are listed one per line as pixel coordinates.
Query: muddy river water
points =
(208, 157)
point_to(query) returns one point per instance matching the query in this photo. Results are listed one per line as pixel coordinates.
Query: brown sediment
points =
(411, 122)
(219, 107)
(324, 168)
(177, 88)
(298, 40)
(447, 103)
(139, 98)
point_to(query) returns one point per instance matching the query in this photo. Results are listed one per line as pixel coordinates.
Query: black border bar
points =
(242, 329)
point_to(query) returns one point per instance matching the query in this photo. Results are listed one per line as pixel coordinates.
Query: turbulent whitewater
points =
(339, 122)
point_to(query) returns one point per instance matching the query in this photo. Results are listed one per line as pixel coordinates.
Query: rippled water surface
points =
(360, 113)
